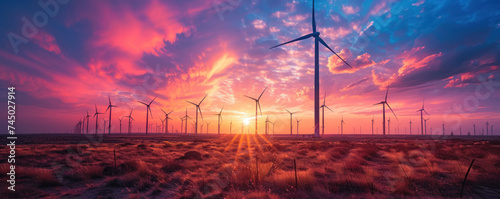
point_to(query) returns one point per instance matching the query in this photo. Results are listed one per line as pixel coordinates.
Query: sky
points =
(64, 57)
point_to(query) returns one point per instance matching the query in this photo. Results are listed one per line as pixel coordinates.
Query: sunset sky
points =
(447, 52)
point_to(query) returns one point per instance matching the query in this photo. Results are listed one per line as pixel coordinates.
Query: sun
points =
(246, 121)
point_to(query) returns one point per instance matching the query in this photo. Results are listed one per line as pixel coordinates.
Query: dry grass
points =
(215, 167)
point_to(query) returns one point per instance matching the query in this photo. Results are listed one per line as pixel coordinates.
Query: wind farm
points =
(231, 58)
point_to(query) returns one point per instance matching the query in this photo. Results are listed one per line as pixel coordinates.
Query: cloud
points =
(259, 24)
(336, 65)
(350, 9)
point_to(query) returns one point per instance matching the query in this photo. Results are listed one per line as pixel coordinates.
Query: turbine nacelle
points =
(315, 34)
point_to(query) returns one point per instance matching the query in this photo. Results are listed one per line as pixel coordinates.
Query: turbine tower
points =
(110, 106)
(487, 126)
(317, 40)
(291, 116)
(148, 110)
(425, 125)
(257, 104)
(104, 127)
(208, 124)
(185, 123)
(96, 115)
(410, 126)
(422, 110)
(219, 120)
(389, 126)
(197, 109)
(383, 110)
(166, 119)
(273, 125)
(323, 115)
(474, 128)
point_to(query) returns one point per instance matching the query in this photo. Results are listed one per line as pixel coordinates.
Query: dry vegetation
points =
(254, 167)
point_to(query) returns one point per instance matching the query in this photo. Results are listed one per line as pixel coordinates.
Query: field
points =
(252, 166)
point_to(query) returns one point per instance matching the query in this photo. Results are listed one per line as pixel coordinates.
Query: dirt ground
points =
(252, 166)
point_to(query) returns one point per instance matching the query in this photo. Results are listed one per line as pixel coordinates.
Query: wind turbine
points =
(474, 128)
(166, 119)
(148, 110)
(110, 106)
(130, 122)
(182, 123)
(273, 125)
(323, 114)
(410, 126)
(297, 125)
(104, 129)
(342, 125)
(96, 115)
(257, 104)
(422, 110)
(219, 120)
(291, 116)
(487, 126)
(82, 126)
(162, 124)
(389, 126)
(267, 124)
(208, 124)
(120, 119)
(87, 117)
(231, 127)
(197, 109)
(373, 119)
(425, 125)
(186, 118)
(383, 110)
(317, 40)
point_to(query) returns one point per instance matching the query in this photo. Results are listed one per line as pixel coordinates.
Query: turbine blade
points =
(95, 108)
(298, 39)
(221, 110)
(313, 20)
(163, 111)
(250, 97)
(387, 93)
(329, 109)
(170, 112)
(377, 103)
(324, 44)
(131, 112)
(262, 93)
(150, 112)
(152, 100)
(324, 99)
(426, 112)
(288, 111)
(109, 100)
(203, 99)
(392, 111)
(192, 103)
(200, 113)
(142, 103)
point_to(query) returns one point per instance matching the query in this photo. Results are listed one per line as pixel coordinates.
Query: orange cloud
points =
(336, 66)
(411, 64)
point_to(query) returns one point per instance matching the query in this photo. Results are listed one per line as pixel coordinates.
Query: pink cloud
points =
(350, 9)
(413, 63)
(336, 66)
(47, 42)
(259, 24)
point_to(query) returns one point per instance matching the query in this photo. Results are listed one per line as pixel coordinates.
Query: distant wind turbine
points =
(383, 110)
(425, 125)
(389, 125)
(410, 126)
(148, 110)
(298, 125)
(96, 115)
(342, 125)
(87, 117)
(487, 127)
(104, 127)
(422, 110)
(120, 119)
(323, 115)
(474, 125)
(186, 117)
(198, 109)
(219, 120)
(291, 119)
(166, 119)
(110, 106)
(130, 118)
(208, 124)
(317, 40)
(373, 119)
(257, 104)
(273, 125)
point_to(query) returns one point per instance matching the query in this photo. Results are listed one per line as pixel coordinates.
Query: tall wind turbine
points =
(208, 124)
(273, 125)
(389, 125)
(148, 110)
(291, 116)
(267, 125)
(383, 110)
(410, 126)
(110, 106)
(257, 104)
(422, 110)
(130, 118)
(219, 120)
(162, 125)
(166, 119)
(96, 115)
(323, 115)
(197, 109)
(474, 128)
(182, 123)
(487, 126)
(186, 117)
(317, 40)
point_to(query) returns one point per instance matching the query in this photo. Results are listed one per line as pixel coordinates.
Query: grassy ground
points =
(249, 166)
